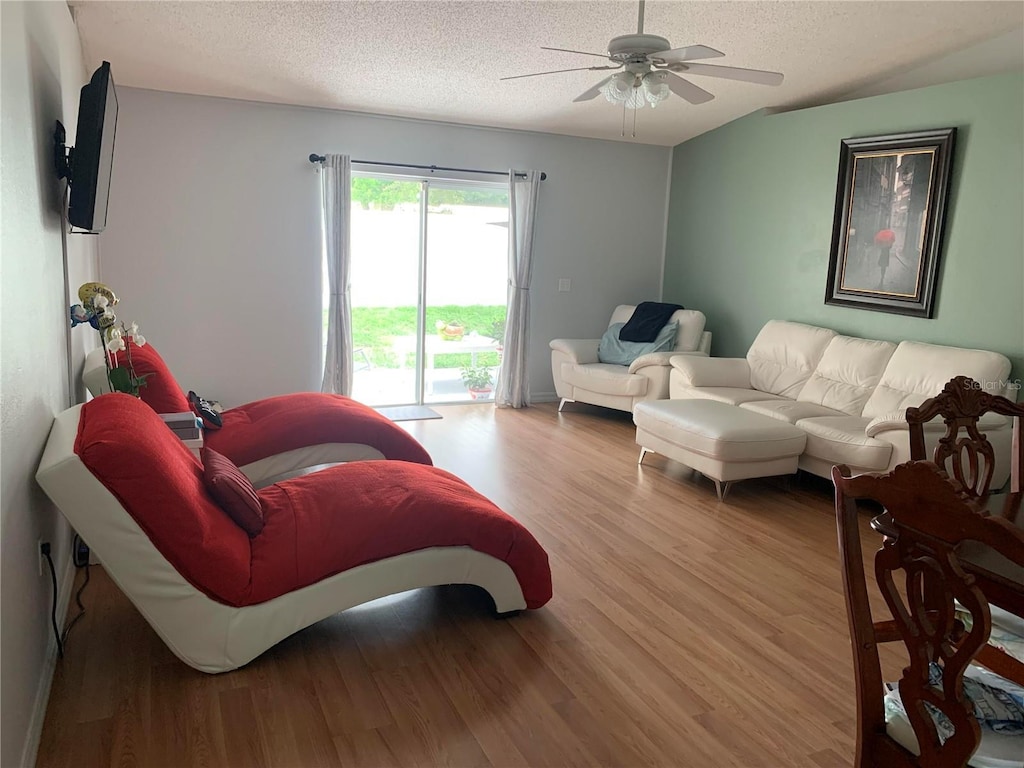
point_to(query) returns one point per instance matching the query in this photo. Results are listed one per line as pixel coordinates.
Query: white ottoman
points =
(719, 440)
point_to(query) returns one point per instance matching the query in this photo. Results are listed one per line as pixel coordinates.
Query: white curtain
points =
(513, 390)
(336, 176)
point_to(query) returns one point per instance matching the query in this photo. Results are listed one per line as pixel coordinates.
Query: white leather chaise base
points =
(718, 440)
(272, 468)
(214, 637)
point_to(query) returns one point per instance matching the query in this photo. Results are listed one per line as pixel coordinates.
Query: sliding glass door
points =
(429, 286)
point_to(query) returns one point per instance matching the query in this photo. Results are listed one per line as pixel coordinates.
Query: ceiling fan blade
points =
(569, 50)
(592, 93)
(759, 76)
(687, 53)
(556, 71)
(687, 90)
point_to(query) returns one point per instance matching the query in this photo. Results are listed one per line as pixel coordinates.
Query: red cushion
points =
(277, 424)
(160, 483)
(233, 491)
(286, 422)
(161, 392)
(314, 526)
(323, 523)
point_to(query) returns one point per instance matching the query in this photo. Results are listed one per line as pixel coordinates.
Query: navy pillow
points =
(613, 350)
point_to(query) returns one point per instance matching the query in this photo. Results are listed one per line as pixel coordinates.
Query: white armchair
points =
(580, 376)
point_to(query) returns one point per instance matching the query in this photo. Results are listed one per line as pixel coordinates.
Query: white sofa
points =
(848, 395)
(580, 376)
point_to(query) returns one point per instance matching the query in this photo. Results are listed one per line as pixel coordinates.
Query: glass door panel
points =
(386, 270)
(465, 290)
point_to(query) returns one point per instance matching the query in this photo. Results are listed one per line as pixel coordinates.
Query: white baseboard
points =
(35, 725)
(544, 397)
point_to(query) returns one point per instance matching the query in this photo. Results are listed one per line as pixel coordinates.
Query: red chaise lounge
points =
(218, 594)
(277, 435)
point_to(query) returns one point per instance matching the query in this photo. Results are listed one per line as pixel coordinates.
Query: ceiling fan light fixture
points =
(655, 87)
(619, 88)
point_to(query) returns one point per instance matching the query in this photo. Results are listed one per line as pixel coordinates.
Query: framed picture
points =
(887, 231)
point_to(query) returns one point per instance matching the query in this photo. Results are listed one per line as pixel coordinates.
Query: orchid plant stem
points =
(106, 358)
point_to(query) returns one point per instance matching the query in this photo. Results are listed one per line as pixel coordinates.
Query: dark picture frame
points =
(887, 232)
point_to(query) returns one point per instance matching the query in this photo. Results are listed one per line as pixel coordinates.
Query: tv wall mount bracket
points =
(63, 156)
(64, 162)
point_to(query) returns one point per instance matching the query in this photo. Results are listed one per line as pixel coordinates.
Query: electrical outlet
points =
(41, 556)
(564, 285)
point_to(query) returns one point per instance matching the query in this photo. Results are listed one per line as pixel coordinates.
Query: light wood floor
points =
(683, 632)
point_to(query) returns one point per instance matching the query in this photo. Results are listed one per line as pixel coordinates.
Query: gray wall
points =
(214, 241)
(750, 219)
(42, 75)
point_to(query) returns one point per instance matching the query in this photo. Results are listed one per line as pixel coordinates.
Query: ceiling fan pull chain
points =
(622, 133)
(640, 18)
(634, 121)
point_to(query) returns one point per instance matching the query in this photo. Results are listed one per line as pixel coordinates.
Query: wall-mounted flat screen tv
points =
(93, 155)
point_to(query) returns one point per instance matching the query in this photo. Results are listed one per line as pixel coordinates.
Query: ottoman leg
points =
(643, 452)
(565, 400)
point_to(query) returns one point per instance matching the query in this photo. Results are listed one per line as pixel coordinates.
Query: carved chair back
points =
(926, 518)
(964, 451)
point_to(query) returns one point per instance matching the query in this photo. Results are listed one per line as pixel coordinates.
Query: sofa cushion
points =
(784, 355)
(789, 410)
(614, 350)
(605, 378)
(688, 335)
(847, 374)
(841, 440)
(730, 395)
(918, 371)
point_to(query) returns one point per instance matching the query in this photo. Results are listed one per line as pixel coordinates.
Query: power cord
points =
(78, 547)
(45, 549)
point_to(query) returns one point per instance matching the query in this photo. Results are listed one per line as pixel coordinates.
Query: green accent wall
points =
(752, 202)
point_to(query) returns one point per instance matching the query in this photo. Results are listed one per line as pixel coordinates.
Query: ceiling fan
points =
(650, 69)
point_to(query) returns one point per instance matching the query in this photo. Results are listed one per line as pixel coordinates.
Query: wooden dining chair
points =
(924, 581)
(964, 451)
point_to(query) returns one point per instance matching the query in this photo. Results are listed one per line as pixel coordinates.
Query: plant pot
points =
(480, 394)
(451, 332)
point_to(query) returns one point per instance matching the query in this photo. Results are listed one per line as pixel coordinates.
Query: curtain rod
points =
(314, 158)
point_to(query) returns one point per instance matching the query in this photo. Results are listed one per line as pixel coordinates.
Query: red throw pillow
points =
(161, 392)
(232, 491)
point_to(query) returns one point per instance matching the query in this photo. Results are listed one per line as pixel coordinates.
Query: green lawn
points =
(373, 328)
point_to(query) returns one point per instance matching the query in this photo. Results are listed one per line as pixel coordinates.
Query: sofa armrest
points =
(662, 359)
(698, 371)
(580, 351)
(897, 420)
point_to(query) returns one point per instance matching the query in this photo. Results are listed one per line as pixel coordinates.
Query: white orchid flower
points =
(100, 302)
(139, 340)
(116, 344)
(133, 330)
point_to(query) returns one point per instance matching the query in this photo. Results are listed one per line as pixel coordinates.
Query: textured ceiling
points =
(443, 60)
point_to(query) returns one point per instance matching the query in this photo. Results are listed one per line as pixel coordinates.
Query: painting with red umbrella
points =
(887, 231)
